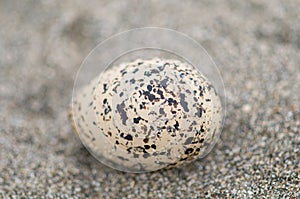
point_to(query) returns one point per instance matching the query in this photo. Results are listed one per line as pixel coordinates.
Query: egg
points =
(147, 115)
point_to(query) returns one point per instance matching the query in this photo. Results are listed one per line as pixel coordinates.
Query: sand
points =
(256, 46)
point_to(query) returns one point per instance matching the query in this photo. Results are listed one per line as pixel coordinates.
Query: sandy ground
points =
(256, 45)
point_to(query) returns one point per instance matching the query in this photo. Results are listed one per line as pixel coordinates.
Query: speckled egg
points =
(148, 115)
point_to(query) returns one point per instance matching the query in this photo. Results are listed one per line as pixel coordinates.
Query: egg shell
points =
(148, 115)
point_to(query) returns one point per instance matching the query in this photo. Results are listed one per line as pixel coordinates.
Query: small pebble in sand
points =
(246, 108)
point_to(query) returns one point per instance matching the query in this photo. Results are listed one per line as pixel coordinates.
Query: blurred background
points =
(255, 44)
